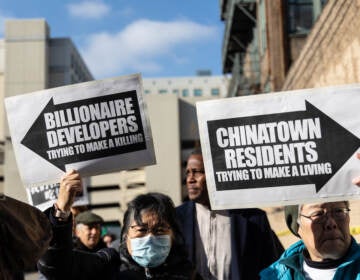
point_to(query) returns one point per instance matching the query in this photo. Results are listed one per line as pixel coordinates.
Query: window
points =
(185, 92)
(162, 91)
(300, 16)
(175, 91)
(197, 92)
(215, 92)
(146, 91)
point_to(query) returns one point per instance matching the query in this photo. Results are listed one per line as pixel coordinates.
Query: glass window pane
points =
(197, 92)
(300, 16)
(215, 92)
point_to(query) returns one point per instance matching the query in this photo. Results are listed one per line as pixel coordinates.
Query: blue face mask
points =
(150, 250)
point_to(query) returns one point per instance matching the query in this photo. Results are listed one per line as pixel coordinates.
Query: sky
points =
(161, 38)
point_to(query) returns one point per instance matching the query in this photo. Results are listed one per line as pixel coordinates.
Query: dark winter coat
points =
(63, 262)
(253, 243)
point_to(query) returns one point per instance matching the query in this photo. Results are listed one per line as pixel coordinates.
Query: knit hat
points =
(88, 218)
(291, 217)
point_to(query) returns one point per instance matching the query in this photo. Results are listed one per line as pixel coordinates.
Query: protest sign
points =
(281, 148)
(94, 127)
(44, 196)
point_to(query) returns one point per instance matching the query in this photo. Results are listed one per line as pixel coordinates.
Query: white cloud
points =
(88, 9)
(141, 46)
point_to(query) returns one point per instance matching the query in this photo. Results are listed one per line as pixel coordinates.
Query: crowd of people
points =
(191, 241)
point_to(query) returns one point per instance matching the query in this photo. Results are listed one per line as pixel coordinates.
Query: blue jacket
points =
(254, 245)
(289, 266)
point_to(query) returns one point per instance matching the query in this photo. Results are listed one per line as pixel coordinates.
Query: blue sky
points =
(161, 38)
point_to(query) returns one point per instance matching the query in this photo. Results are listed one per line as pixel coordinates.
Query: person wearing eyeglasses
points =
(151, 244)
(223, 244)
(326, 249)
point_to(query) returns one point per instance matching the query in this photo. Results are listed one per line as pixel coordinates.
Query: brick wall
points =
(331, 55)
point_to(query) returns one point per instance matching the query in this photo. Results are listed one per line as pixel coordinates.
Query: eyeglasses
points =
(194, 172)
(320, 217)
(139, 231)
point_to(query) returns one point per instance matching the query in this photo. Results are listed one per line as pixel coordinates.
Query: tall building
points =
(34, 61)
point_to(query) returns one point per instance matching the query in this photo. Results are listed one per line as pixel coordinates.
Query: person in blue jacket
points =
(228, 244)
(326, 249)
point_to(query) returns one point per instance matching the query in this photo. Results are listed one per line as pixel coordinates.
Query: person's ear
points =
(299, 231)
(77, 230)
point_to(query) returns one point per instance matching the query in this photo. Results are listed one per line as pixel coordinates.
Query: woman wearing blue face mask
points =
(151, 245)
(151, 241)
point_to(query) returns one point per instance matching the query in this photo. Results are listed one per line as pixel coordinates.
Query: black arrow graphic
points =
(335, 146)
(37, 141)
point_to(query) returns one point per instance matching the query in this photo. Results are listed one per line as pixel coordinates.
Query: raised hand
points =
(70, 185)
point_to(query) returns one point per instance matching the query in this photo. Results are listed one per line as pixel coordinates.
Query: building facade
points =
(331, 54)
(195, 87)
(262, 39)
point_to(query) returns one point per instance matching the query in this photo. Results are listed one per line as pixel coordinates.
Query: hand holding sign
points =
(70, 185)
(96, 127)
(356, 181)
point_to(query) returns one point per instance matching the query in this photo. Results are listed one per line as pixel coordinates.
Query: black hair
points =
(196, 151)
(158, 203)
